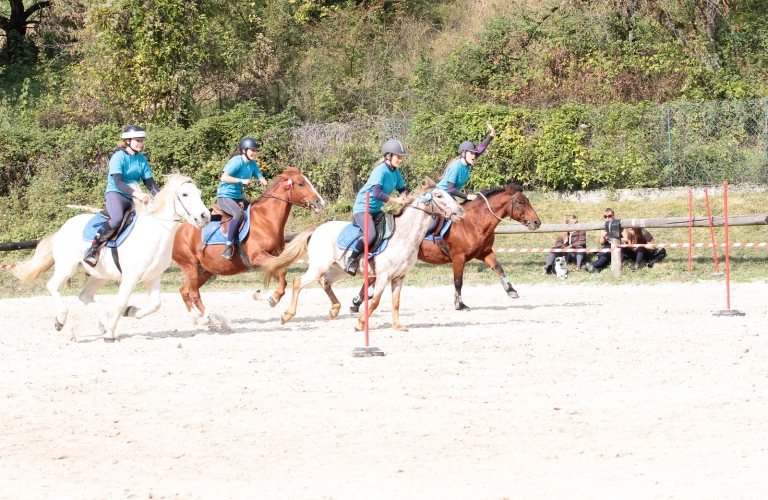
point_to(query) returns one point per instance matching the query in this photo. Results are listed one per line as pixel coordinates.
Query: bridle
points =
(178, 198)
(289, 186)
(515, 204)
(431, 201)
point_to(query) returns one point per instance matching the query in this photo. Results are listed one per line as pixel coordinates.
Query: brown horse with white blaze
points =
(268, 216)
(473, 237)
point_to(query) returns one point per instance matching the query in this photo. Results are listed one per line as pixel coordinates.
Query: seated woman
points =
(565, 240)
(638, 236)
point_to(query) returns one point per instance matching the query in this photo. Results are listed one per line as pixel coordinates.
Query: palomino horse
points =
(269, 213)
(143, 256)
(326, 259)
(473, 238)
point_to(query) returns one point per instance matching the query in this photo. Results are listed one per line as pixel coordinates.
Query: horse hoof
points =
(512, 294)
(102, 328)
(130, 311)
(461, 306)
(256, 294)
(272, 302)
(108, 340)
(334, 312)
(354, 309)
(58, 326)
(285, 319)
(400, 328)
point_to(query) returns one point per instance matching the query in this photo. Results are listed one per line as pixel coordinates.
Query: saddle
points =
(437, 235)
(128, 217)
(217, 214)
(384, 222)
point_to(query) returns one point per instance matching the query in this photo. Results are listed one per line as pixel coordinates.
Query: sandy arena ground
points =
(568, 392)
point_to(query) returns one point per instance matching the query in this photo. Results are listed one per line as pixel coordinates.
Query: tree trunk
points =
(18, 48)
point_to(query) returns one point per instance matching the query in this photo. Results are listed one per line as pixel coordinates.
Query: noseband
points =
(289, 186)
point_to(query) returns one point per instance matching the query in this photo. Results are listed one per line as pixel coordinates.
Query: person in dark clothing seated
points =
(604, 258)
(638, 236)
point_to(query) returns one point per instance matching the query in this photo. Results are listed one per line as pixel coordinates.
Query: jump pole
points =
(367, 351)
(717, 274)
(729, 311)
(689, 274)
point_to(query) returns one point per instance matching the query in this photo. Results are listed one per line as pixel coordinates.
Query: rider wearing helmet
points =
(127, 166)
(385, 178)
(457, 173)
(237, 173)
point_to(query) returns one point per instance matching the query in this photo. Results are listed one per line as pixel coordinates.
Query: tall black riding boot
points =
(351, 266)
(102, 235)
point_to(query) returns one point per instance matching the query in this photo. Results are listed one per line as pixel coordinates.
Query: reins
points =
(514, 204)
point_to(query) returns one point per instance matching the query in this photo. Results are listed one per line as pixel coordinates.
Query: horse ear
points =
(428, 182)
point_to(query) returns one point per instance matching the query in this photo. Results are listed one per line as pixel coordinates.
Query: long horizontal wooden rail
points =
(668, 222)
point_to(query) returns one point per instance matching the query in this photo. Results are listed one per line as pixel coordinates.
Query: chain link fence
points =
(645, 145)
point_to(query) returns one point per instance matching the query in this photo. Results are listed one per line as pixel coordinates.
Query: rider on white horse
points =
(126, 167)
(236, 174)
(385, 178)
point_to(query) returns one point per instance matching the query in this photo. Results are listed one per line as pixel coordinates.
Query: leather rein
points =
(515, 204)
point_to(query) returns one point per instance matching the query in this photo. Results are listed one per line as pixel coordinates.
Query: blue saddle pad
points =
(349, 234)
(444, 230)
(89, 232)
(212, 231)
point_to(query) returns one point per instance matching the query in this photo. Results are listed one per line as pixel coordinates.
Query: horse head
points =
(300, 190)
(520, 207)
(187, 200)
(441, 203)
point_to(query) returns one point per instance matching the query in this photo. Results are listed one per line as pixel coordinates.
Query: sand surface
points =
(568, 392)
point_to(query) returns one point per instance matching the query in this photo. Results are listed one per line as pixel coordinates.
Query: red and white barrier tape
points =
(647, 245)
(7, 266)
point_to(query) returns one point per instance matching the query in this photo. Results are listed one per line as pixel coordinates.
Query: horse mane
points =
(172, 183)
(281, 177)
(494, 190)
(428, 184)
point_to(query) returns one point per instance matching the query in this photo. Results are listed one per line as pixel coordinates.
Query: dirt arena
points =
(568, 392)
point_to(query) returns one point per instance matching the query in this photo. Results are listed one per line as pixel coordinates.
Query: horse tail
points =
(29, 270)
(295, 249)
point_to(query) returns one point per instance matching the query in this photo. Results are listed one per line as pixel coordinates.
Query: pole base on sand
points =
(367, 352)
(687, 276)
(728, 312)
(717, 275)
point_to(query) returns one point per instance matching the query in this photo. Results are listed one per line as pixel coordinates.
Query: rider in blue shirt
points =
(459, 169)
(237, 173)
(384, 179)
(127, 166)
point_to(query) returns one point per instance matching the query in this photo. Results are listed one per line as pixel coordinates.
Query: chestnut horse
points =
(269, 213)
(473, 238)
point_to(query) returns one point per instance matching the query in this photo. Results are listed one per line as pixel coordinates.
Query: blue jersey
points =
(238, 168)
(457, 173)
(134, 168)
(389, 180)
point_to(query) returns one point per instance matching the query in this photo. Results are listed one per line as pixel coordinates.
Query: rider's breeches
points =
(360, 221)
(231, 207)
(433, 224)
(117, 205)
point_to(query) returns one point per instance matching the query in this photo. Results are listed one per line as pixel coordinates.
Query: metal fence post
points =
(669, 142)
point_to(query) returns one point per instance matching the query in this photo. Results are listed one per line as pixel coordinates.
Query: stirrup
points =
(351, 266)
(92, 256)
(228, 251)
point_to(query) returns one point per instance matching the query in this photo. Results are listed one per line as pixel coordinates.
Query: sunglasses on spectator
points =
(607, 216)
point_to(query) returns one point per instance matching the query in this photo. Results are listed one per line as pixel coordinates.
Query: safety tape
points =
(647, 245)
(7, 266)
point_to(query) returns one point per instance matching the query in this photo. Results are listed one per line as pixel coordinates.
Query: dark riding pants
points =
(230, 206)
(117, 205)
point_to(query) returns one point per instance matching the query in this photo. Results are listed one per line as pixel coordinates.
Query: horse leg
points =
(153, 290)
(397, 285)
(357, 301)
(190, 291)
(299, 282)
(89, 291)
(458, 281)
(61, 274)
(490, 261)
(282, 284)
(123, 295)
(372, 306)
(326, 281)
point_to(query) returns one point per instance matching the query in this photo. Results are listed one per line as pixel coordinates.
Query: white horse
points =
(325, 258)
(143, 256)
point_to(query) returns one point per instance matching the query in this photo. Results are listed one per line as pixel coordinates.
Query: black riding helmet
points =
(467, 146)
(134, 132)
(248, 143)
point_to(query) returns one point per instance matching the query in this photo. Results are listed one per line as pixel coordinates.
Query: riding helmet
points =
(393, 146)
(467, 146)
(134, 132)
(248, 143)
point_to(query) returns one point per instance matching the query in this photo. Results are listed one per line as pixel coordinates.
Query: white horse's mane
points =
(174, 180)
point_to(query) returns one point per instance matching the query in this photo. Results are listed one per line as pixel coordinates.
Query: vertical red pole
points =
(727, 248)
(712, 233)
(690, 230)
(365, 260)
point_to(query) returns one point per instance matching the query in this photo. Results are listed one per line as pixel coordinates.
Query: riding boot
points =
(351, 265)
(228, 250)
(102, 235)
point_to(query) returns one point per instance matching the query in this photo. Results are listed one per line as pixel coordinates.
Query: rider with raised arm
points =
(459, 169)
(127, 166)
(385, 178)
(236, 174)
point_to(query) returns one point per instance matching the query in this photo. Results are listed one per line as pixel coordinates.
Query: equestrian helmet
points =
(134, 132)
(248, 143)
(393, 146)
(467, 146)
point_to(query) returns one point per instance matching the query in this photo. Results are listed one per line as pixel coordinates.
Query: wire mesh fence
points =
(645, 145)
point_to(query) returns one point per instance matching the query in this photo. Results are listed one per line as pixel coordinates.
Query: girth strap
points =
(244, 256)
(116, 258)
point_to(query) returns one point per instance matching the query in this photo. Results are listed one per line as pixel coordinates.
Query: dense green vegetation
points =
(574, 88)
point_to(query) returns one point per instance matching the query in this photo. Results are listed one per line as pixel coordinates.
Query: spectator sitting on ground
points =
(565, 240)
(638, 236)
(604, 258)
